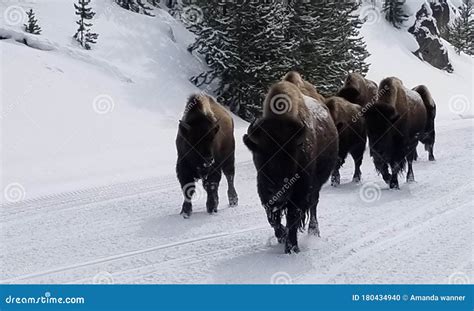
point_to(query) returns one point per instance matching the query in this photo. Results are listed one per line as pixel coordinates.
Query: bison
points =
(294, 146)
(304, 86)
(358, 90)
(428, 137)
(352, 131)
(206, 148)
(395, 124)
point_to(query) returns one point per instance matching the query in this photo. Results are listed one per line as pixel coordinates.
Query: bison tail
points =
(428, 137)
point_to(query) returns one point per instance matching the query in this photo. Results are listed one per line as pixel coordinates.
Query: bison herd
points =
(301, 140)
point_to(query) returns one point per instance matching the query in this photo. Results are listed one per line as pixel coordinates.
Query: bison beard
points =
(294, 154)
(205, 145)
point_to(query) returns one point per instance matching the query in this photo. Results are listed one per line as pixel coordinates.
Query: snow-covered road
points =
(132, 233)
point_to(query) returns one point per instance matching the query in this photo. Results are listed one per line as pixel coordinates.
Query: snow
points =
(89, 189)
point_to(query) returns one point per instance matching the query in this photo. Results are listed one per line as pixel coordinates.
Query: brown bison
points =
(351, 127)
(358, 90)
(428, 137)
(294, 147)
(395, 124)
(305, 87)
(206, 147)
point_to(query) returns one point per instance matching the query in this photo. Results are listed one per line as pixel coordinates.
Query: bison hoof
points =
(356, 179)
(432, 158)
(233, 202)
(394, 185)
(186, 215)
(212, 210)
(314, 231)
(410, 179)
(290, 249)
(281, 233)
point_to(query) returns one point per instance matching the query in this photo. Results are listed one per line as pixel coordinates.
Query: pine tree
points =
(461, 33)
(83, 35)
(329, 43)
(32, 26)
(251, 45)
(395, 13)
(137, 6)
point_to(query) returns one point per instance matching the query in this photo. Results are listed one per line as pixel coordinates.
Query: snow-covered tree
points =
(250, 45)
(395, 12)
(84, 35)
(32, 25)
(461, 33)
(329, 43)
(137, 6)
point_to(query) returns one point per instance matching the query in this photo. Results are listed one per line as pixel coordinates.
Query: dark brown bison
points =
(304, 86)
(358, 90)
(352, 131)
(294, 147)
(206, 147)
(395, 123)
(428, 137)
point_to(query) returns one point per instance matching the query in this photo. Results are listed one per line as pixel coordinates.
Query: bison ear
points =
(184, 127)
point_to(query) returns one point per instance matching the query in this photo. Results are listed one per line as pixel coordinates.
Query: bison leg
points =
(430, 148)
(292, 223)
(357, 155)
(188, 192)
(229, 172)
(396, 168)
(382, 167)
(410, 158)
(274, 219)
(336, 176)
(211, 185)
(188, 187)
(313, 227)
(231, 192)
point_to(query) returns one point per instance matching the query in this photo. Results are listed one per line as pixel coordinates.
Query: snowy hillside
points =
(76, 117)
(88, 159)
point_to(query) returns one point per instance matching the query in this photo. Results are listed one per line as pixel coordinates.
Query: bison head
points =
(198, 135)
(276, 146)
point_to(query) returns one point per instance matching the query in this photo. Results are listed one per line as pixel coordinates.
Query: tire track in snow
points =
(130, 254)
